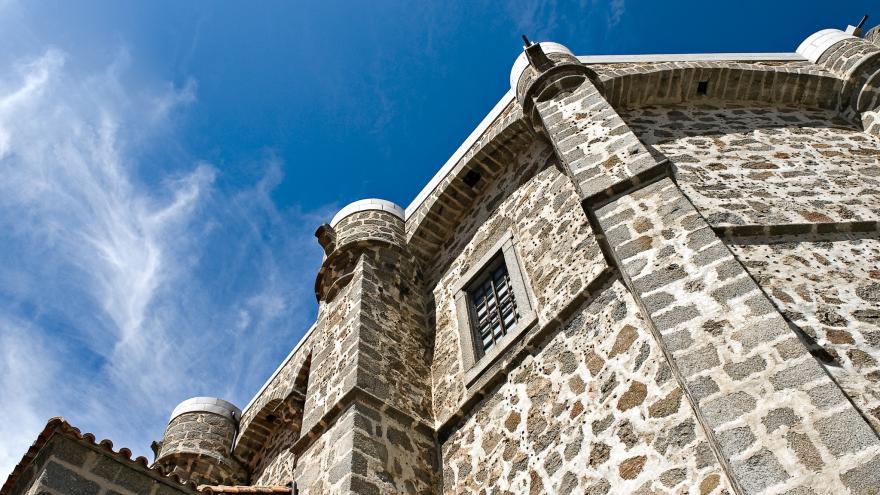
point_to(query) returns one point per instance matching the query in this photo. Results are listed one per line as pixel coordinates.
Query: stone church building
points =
(653, 274)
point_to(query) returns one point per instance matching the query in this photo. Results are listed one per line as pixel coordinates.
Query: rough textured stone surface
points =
(287, 386)
(845, 57)
(580, 430)
(432, 224)
(70, 465)
(828, 286)
(325, 466)
(334, 354)
(603, 151)
(369, 344)
(198, 446)
(778, 83)
(736, 334)
(766, 166)
(557, 249)
(274, 460)
(367, 452)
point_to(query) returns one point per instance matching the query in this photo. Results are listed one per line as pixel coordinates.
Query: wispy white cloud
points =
(617, 9)
(27, 366)
(538, 18)
(534, 18)
(66, 184)
(119, 295)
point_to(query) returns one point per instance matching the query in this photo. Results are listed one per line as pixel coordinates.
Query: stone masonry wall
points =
(391, 453)
(199, 432)
(275, 460)
(738, 363)
(680, 375)
(325, 466)
(846, 56)
(778, 83)
(369, 345)
(393, 347)
(746, 370)
(828, 286)
(369, 224)
(368, 451)
(595, 410)
(334, 350)
(597, 146)
(560, 256)
(766, 166)
(67, 467)
(783, 166)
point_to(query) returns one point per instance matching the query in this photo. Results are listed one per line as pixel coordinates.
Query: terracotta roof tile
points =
(60, 425)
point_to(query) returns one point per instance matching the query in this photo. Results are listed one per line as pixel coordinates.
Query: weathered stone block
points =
(64, 480)
(759, 471)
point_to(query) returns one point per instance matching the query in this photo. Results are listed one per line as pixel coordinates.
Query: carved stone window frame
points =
(473, 363)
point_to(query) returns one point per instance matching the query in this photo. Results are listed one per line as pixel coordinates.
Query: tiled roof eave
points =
(59, 425)
(224, 489)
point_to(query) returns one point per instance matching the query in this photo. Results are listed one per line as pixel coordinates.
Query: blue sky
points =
(163, 166)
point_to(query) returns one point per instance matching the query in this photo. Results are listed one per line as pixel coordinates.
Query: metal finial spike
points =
(536, 56)
(526, 41)
(857, 31)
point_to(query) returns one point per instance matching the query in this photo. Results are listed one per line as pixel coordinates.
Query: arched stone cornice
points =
(789, 84)
(252, 438)
(435, 219)
(257, 422)
(626, 85)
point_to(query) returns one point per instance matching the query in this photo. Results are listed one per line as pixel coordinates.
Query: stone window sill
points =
(488, 359)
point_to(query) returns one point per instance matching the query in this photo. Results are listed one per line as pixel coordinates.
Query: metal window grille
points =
(493, 305)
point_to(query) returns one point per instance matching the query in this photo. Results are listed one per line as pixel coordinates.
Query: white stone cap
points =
(213, 405)
(367, 205)
(691, 57)
(817, 43)
(522, 61)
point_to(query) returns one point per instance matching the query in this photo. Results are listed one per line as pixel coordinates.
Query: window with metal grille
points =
(493, 305)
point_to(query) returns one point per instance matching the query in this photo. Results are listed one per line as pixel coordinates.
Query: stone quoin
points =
(639, 274)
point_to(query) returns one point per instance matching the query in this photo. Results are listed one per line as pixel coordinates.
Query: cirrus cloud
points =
(126, 285)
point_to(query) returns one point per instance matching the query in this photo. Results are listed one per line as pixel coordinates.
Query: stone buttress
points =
(366, 427)
(731, 351)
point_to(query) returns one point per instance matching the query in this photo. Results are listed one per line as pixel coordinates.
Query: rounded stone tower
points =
(369, 219)
(359, 226)
(543, 70)
(197, 444)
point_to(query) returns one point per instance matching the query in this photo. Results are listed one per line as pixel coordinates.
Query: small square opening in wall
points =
(472, 178)
(702, 87)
